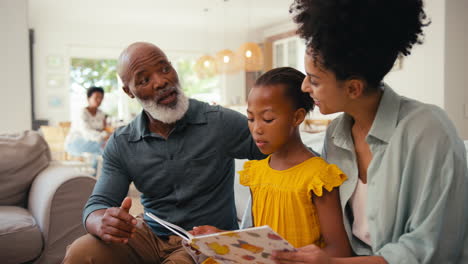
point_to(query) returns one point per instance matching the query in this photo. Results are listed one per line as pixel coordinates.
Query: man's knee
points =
(86, 249)
(179, 257)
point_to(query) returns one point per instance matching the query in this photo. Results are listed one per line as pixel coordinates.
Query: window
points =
(207, 89)
(289, 52)
(85, 73)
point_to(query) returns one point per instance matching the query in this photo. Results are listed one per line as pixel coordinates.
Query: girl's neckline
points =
(90, 113)
(290, 168)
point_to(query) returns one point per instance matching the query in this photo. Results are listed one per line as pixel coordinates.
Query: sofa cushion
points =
(241, 192)
(22, 157)
(20, 237)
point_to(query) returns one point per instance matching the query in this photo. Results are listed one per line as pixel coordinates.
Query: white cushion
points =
(466, 148)
(313, 140)
(241, 193)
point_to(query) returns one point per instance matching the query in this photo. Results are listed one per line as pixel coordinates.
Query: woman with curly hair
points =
(406, 199)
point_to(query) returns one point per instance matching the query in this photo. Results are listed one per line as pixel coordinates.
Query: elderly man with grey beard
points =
(179, 153)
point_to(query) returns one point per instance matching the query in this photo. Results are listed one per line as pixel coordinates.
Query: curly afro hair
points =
(359, 38)
(292, 80)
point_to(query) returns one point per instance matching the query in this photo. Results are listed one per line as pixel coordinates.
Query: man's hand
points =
(113, 225)
(308, 254)
(204, 230)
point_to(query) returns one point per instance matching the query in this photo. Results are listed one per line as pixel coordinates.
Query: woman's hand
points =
(204, 230)
(307, 254)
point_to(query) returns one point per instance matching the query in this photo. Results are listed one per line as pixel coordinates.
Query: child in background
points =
(288, 186)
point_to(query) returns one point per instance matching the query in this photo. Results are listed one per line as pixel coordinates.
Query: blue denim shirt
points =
(186, 179)
(417, 205)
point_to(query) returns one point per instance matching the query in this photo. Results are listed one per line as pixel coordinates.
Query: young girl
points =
(293, 191)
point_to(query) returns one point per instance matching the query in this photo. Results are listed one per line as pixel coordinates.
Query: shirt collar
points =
(386, 118)
(195, 115)
(384, 124)
(342, 134)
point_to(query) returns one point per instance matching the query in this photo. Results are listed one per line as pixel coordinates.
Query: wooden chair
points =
(316, 125)
(55, 138)
(66, 124)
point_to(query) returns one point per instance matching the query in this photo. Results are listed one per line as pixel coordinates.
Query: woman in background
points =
(87, 134)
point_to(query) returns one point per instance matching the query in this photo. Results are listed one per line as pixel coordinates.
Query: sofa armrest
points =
(56, 200)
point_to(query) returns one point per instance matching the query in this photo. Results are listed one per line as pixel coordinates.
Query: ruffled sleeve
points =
(330, 177)
(245, 175)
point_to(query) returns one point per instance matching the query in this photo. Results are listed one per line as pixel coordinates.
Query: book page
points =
(174, 228)
(250, 245)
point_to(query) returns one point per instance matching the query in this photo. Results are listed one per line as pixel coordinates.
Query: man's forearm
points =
(360, 260)
(93, 221)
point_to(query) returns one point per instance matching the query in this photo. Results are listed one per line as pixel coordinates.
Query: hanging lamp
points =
(205, 67)
(226, 61)
(250, 57)
(250, 54)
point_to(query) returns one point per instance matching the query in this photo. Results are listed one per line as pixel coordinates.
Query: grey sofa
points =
(40, 203)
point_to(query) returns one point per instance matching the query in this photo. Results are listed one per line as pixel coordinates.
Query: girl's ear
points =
(299, 116)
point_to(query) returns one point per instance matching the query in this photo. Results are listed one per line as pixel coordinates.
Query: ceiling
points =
(214, 15)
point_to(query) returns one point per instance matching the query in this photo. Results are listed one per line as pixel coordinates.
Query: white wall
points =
(422, 75)
(456, 64)
(436, 71)
(15, 99)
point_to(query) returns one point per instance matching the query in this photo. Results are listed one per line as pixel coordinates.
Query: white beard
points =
(167, 114)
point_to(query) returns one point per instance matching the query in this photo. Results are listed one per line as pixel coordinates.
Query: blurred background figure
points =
(88, 133)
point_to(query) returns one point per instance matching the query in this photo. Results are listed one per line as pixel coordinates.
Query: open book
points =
(250, 245)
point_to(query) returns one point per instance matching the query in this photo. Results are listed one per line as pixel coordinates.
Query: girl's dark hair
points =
(359, 38)
(292, 80)
(94, 89)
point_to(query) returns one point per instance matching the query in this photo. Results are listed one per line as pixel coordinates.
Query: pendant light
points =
(227, 61)
(250, 54)
(251, 57)
(205, 66)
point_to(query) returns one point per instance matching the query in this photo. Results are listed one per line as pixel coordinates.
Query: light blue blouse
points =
(417, 204)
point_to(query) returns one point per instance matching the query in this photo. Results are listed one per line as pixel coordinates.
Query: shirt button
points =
(372, 217)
